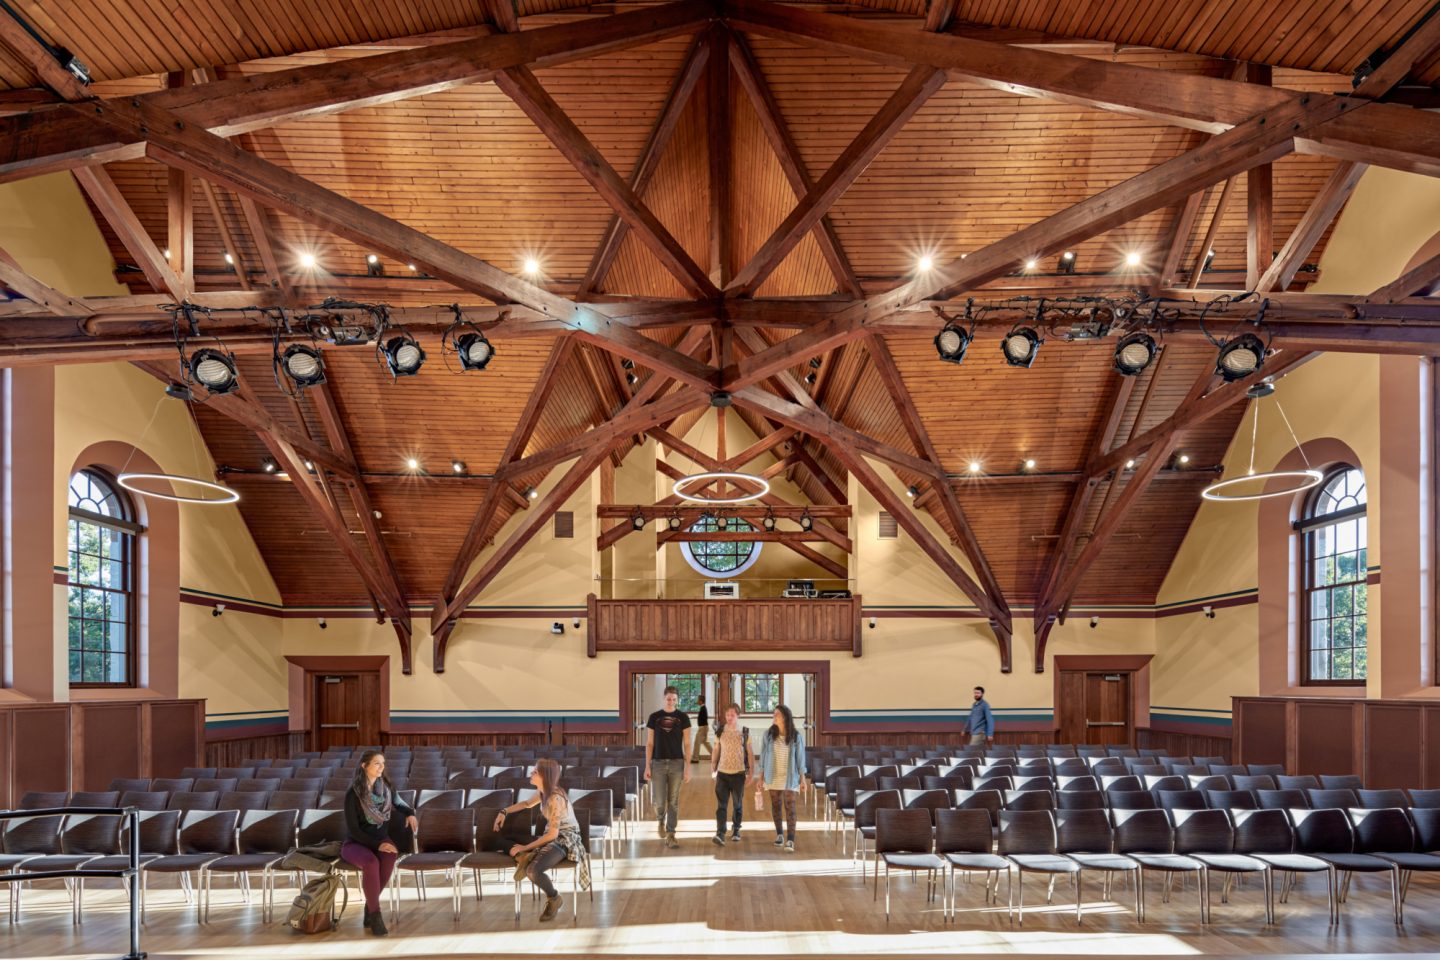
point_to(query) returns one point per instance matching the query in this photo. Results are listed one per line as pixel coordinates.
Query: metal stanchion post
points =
(132, 816)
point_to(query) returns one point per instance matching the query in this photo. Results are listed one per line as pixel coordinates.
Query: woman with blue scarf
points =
(378, 825)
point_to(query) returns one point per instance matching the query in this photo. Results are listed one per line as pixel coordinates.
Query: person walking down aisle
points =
(782, 763)
(667, 762)
(731, 764)
(982, 721)
(560, 841)
(378, 824)
(702, 730)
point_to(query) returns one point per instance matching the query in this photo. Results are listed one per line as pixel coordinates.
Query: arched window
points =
(1333, 599)
(101, 582)
(721, 558)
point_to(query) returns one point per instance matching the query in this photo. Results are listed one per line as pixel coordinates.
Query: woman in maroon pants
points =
(378, 825)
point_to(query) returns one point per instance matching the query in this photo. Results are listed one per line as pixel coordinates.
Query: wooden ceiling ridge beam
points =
(520, 85)
(917, 88)
(718, 154)
(661, 134)
(64, 136)
(782, 143)
(1378, 133)
(889, 373)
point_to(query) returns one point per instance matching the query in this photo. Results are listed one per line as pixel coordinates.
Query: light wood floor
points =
(732, 902)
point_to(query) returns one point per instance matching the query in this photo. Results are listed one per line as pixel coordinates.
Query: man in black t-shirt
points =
(702, 730)
(667, 761)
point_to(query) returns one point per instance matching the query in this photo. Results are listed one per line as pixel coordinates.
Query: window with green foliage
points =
(100, 583)
(760, 692)
(721, 558)
(1335, 600)
(689, 686)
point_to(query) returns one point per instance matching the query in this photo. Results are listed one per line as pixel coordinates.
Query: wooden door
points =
(347, 709)
(1107, 708)
(1093, 707)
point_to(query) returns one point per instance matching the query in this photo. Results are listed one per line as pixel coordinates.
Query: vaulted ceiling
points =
(720, 128)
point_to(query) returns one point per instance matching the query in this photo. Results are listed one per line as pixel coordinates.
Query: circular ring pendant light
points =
(1299, 482)
(680, 486)
(226, 494)
(1293, 481)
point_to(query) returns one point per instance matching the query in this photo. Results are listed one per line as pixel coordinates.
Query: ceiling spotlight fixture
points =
(631, 378)
(403, 355)
(214, 370)
(531, 493)
(627, 364)
(374, 267)
(307, 260)
(229, 258)
(675, 523)
(166, 252)
(269, 465)
(1209, 259)
(411, 267)
(531, 266)
(953, 340)
(806, 523)
(768, 523)
(457, 465)
(925, 264)
(1239, 357)
(1021, 345)
(310, 465)
(467, 341)
(1183, 459)
(722, 522)
(1134, 353)
(1029, 464)
(637, 520)
(1129, 464)
(1067, 262)
(411, 463)
(303, 365)
(912, 491)
(974, 466)
(810, 378)
(1132, 259)
(1031, 264)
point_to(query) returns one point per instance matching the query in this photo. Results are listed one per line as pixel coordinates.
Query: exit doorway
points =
(1098, 699)
(756, 689)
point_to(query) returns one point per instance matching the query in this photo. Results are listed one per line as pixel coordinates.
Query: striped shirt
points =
(781, 768)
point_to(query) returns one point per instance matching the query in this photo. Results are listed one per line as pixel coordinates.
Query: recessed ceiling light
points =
(925, 263)
(1184, 458)
(1132, 259)
(1031, 264)
(1029, 464)
(531, 266)
(974, 466)
(1129, 464)
(411, 267)
(372, 259)
(230, 259)
(307, 260)
(457, 465)
(412, 463)
(1067, 255)
(166, 251)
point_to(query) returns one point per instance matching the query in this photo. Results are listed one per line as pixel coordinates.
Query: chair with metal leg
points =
(903, 842)
(1146, 837)
(445, 837)
(965, 838)
(1087, 837)
(1027, 841)
(265, 837)
(83, 838)
(1209, 836)
(203, 836)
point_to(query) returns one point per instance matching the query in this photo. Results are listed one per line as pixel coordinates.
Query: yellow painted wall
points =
(46, 227)
(1200, 663)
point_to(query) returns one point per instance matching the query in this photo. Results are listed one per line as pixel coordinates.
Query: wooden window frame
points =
(779, 693)
(132, 531)
(1306, 528)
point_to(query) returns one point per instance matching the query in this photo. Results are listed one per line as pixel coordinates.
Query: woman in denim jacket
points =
(782, 762)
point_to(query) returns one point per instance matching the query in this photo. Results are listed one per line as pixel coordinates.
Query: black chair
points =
(1029, 800)
(123, 785)
(965, 838)
(1346, 781)
(990, 801)
(1281, 799)
(1130, 799)
(1379, 799)
(440, 800)
(446, 836)
(1208, 782)
(1027, 840)
(291, 800)
(172, 785)
(1146, 837)
(1231, 800)
(1229, 769)
(903, 841)
(1268, 836)
(1079, 800)
(144, 799)
(1083, 782)
(1340, 799)
(235, 800)
(1327, 836)
(203, 836)
(867, 805)
(1087, 838)
(1209, 836)
(83, 838)
(1253, 782)
(1283, 782)
(215, 784)
(234, 773)
(492, 847)
(191, 800)
(1389, 836)
(1266, 769)
(1125, 783)
(93, 798)
(1424, 798)
(265, 837)
(1180, 800)
(932, 800)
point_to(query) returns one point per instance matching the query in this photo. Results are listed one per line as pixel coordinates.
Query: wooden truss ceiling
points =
(782, 166)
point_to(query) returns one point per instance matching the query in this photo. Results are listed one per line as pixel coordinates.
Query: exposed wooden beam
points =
(1259, 203)
(520, 85)
(747, 71)
(39, 293)
(1317, 218)
(1416, 280)
(1375, 133)
(232, 249)
(1423, 40)
(260, 232)
(939, 14)
(62, 136)
(718, 148)
(122, 219)
(889, 374)
(733, 536)
(1202, 256)
(24, 49)
(1182, 225)
(680, 92)
(748, 512)
(917, 87)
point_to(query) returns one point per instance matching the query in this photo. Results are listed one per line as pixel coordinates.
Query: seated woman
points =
(378, 824)
(560, 841)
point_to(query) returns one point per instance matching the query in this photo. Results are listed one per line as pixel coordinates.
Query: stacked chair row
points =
(1136, 843)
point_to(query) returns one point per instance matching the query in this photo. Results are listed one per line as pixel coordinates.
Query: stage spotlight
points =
(214, 370)
(769, 522)
(1067, 262)
(404, 356)
(1134, 353)
(637, 520)
(531, 266)
(374, 267)
(951, 343)
(1209, 259)
(1031, 264)
(474, 350)
(1021, 345)
(810, 378)
(722, 522)
(806, 523)
(674, 522)
(1240, 357)
(975, 466)
(303, 365)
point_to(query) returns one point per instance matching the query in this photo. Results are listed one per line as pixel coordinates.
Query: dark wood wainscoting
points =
(1184, 744)
(497, 739)
(229, 752)
(928, 738)
(85, 744)
(1389, 743)
(671, 626)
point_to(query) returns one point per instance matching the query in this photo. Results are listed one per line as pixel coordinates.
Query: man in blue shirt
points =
(982, 721)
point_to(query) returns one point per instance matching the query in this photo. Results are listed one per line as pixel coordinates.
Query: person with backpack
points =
(378, 825)
(782, 763)
(731, 764)
(560, 841)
